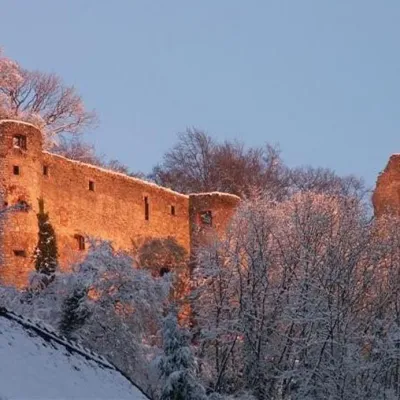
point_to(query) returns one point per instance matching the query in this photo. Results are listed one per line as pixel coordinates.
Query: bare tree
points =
(75, 148)
(197, 163)
(42, 99)
(187, 167)
(57, 109)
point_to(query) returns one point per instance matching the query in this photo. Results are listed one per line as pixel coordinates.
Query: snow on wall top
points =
(216, 194)
(37, 363)
(138, 180)
(15, 121)
(130, 178)
(141, 181)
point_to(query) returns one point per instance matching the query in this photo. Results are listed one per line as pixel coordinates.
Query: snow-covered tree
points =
(74, 311)
(177, 365)
(108, 304)
(298, 301)
(324, 180)
(282, 300)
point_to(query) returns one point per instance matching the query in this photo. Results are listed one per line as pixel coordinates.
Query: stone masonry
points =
(386, 197)
(87, 201)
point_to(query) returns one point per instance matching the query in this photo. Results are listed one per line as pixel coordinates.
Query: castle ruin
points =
(386, 197)
(84, 201)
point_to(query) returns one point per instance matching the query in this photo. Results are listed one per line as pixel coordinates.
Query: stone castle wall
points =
(86, 201)
(114, 210)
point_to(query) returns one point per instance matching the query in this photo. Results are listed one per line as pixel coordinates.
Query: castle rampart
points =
(83, 201)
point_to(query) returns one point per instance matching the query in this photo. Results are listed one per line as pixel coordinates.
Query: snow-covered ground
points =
(35, 364)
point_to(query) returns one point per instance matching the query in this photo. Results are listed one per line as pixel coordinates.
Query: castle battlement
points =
(84, 200)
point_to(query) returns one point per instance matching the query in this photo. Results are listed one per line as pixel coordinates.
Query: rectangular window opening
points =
(173, 210)
(164, 270)
(80, 241)
(91, 186)
(19, 253)
(205, 218)
(45, 170)
(16, 170)
(19, 142)
(146, 209)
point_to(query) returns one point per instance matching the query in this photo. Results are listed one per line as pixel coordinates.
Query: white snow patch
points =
(38, 365)
(16, 121)
(216, 194)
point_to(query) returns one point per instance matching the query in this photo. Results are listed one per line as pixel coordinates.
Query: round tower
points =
(20, 188)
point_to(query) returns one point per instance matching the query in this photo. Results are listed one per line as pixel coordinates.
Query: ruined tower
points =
(21, 161)
(209, 216)
(386, 197)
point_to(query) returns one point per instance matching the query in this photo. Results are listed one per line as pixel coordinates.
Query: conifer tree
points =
(178, 365)
(74, 311)
(46, 253)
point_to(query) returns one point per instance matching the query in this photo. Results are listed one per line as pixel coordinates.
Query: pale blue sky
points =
(321, 78)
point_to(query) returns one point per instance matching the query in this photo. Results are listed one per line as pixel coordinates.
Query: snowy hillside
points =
(37, 364)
